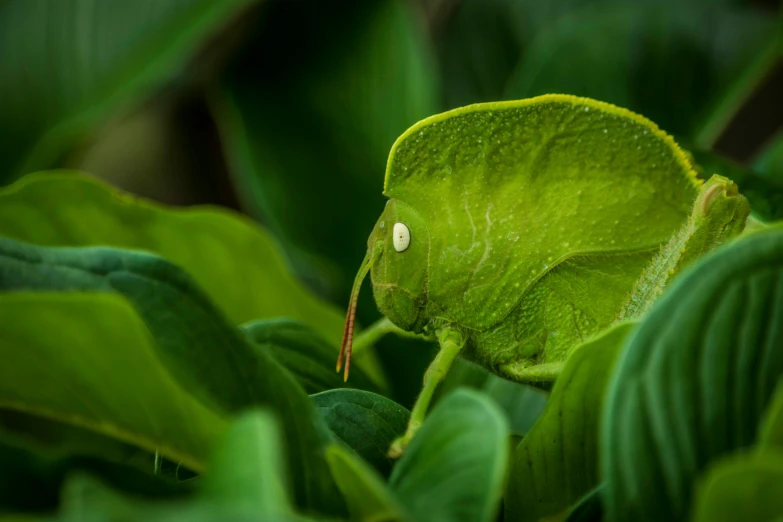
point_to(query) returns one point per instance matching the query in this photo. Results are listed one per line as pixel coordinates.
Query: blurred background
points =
(286, 109)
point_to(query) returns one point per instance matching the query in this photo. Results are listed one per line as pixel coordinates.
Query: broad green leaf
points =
(248, 468)
(368, 498)
(669, 60)
(765, 194)
(309, 148)
(367, 423)
(238, 265)
(67, 62)
(694, 379)
(522, 404)
(453, 469)
(742, 487)
(207, 356)
(91, 362)
(304, 353)
(65, 439)
(85, 499)
(556, 463)
(245, 481)
(30, 479)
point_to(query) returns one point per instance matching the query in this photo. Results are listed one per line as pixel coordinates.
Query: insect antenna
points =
(347, 342)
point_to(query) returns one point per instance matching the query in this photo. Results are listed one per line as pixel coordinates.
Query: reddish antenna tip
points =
(347, 343)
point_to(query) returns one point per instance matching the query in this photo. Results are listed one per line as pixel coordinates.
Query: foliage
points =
(166, 362)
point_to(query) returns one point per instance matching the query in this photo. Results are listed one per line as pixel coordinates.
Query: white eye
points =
(401, 236)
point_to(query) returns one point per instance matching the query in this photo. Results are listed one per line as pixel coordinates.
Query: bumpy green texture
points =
(719, 214)
(530, 222)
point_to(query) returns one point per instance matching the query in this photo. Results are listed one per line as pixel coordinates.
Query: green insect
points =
(515, 231)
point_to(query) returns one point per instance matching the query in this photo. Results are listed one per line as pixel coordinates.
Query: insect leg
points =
(451, 342)
(537, 374)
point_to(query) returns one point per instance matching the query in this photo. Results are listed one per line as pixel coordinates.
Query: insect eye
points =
(401, 237)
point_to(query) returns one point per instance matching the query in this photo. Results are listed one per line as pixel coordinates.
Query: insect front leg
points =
(451, 341)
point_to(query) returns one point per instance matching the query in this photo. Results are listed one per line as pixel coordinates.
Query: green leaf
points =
(556, 463)
(63, 369)
(238, 264)
(304, 353)
(248, 466)
(742, 487)
(454, 467)
(31, 480)
(694, 379)
(66, 63)
(85, 499)
(64, 439)
(245, 481)
(522, 404)
(207, 356)
(367, 496)
(309, 148)
(367, 423)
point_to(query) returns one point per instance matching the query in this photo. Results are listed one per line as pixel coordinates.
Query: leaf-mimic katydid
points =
(515, 231)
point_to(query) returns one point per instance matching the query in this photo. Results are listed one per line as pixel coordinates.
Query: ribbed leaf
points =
(305, 353)
(695, 379)
(367, 423)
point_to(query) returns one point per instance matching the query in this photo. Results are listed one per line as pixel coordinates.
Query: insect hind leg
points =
(539, 375)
